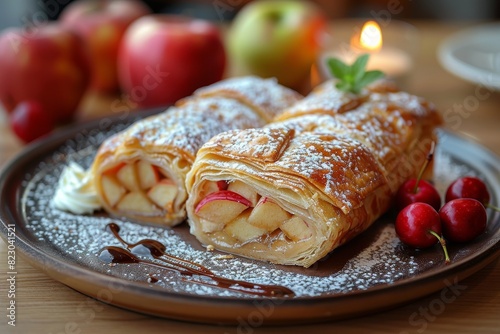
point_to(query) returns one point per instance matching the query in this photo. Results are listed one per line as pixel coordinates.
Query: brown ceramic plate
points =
(371, 273)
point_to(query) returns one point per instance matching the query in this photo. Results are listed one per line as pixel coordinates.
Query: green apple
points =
(277, 39)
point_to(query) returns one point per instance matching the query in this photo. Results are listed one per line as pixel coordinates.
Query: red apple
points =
(47, 66)
(164, 58)
(102, 25)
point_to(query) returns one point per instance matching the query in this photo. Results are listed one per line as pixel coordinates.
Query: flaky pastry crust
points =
(335, 164)
(170, 140)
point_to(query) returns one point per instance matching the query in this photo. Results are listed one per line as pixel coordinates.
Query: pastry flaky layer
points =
(140, 172)
(310, 181)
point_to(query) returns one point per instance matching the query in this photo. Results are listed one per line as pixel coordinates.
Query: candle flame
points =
(370, 38)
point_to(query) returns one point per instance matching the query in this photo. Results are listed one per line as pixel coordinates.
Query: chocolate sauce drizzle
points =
(191, 271)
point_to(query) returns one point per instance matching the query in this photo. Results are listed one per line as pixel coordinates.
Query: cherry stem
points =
(430, 155)
(496, 208)
(443, 245)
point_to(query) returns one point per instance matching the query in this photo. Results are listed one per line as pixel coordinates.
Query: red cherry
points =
(424, 193)
(418, 225)
(463, 219)
(29, 121)
(468, 187)
(418, 190)
(414, 222)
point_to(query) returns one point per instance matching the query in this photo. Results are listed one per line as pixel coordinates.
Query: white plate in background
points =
(474, 54)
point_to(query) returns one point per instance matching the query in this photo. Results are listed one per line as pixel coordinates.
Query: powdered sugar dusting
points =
(325, 99)
(383, 133)
(405, 101)
(265, 144)
(235, 103)
(188, 127)
(79, 238)
(263, 94)
(334, 163)
(380, 261)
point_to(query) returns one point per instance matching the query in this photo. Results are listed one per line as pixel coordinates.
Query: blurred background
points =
(112, 68)
(16, 13)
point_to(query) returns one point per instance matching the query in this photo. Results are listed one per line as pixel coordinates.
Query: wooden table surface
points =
(47, 306)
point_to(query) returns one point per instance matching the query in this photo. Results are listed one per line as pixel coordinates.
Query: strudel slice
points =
(293, 191)
(140, 173)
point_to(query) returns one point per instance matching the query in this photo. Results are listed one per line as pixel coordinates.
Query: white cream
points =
(75, 192)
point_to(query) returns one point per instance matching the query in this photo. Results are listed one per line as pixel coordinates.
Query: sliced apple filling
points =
(139, 188)
(238, 210)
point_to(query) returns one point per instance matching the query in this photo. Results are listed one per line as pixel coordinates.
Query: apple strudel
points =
(293, 191)
(140, 172)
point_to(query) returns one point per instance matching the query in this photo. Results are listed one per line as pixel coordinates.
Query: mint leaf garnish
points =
(355, 77)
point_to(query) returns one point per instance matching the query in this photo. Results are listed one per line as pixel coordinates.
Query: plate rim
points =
(432, 280)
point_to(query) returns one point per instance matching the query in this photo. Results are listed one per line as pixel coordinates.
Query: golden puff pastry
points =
(327, 99)
(140, 173)
(264, 96)
(293, 191)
